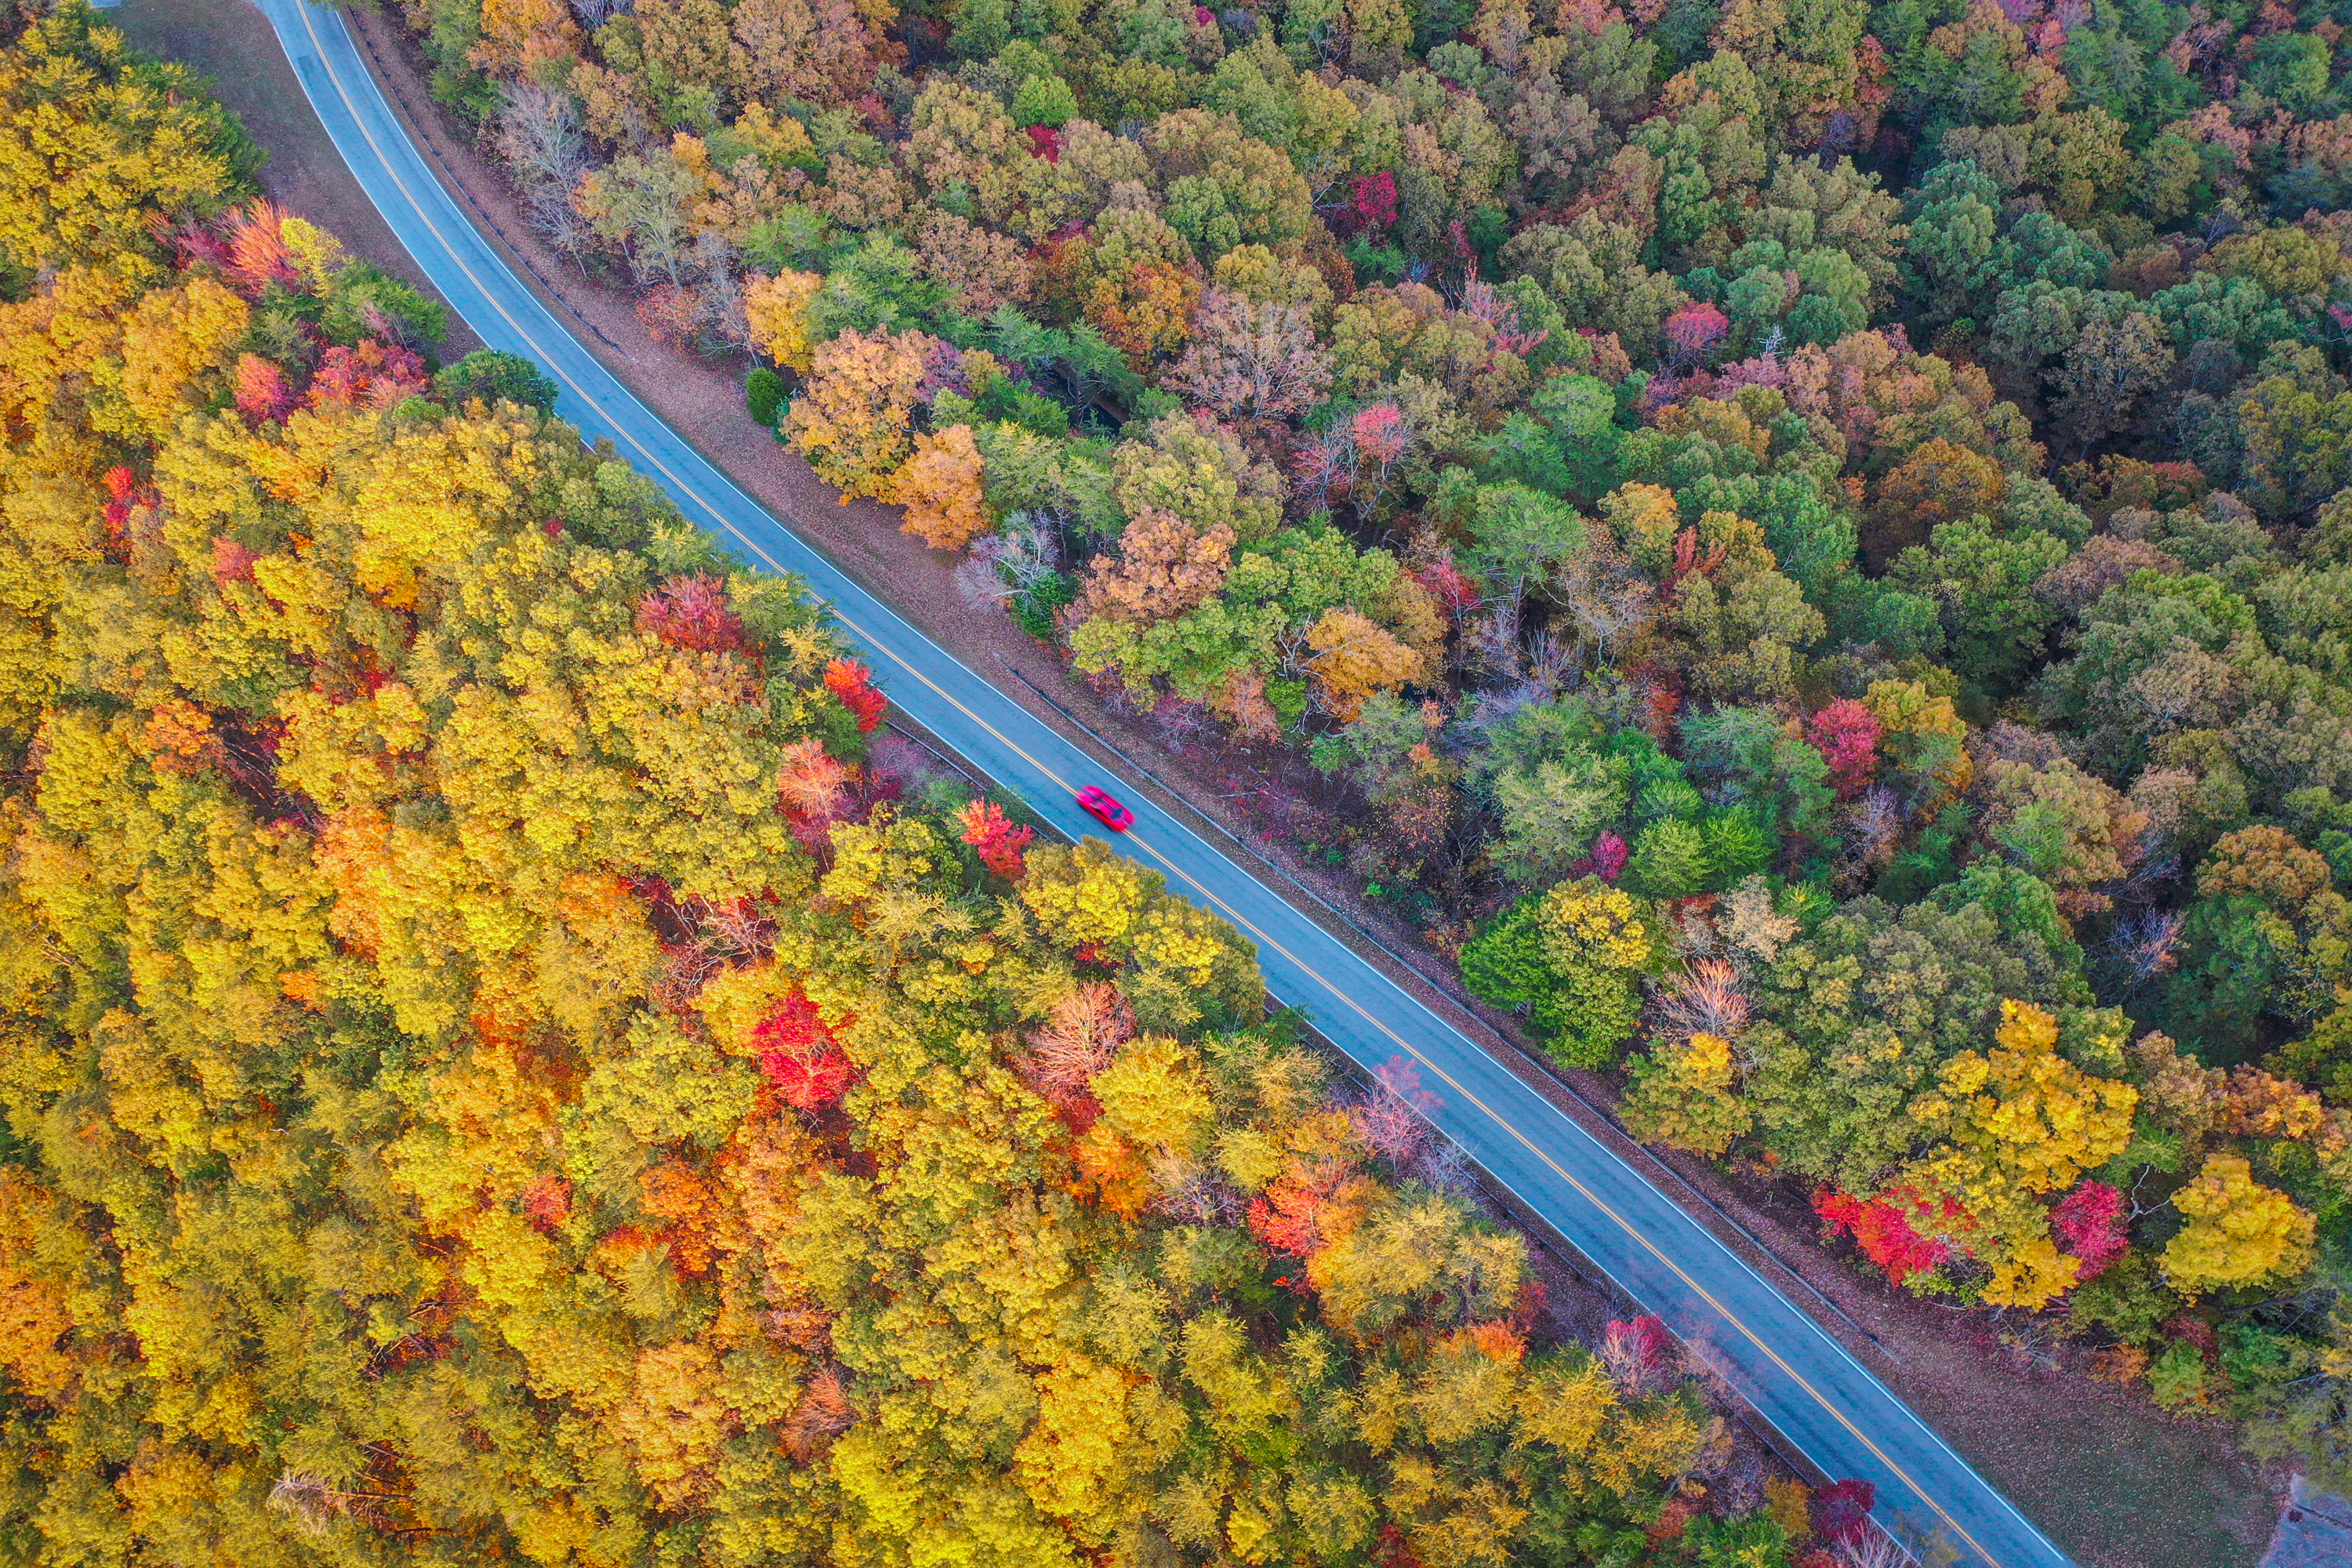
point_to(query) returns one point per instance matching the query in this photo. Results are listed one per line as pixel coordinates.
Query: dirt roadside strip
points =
(704, 403)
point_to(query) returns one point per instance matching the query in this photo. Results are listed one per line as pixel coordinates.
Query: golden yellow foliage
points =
(1589, 921)
(1088, 894)
(1354, 658)
(99, 144)
(676, 1421)
(1645, 521)
(1152, 1093)
(518, 35)
(2239, 1232)
(2032, 1274)
(35, 1310)
(171, 341)
(2029, 1120)
(851, 423)
(1566, 1406)
(1687, 1095)
(1078, 1447)
(1926, 736)
(778, 310)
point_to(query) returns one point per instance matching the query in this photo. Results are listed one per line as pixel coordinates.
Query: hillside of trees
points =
(1807, 542)
(503, 1059)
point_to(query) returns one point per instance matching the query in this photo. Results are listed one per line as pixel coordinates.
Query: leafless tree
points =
(539, 135)
(1491, 642)
(2148, 943)
(1608, 603)
(1251, 360)
(1876, 1549)
(1551, 663)
(315, 1503)
(1444, 1167)
(1388, 1127)
(1189, 1192)
(1704, 999)
(725, 321)
(1874, 828)
(1180, 722)
(1081, 1036)
(738, 928)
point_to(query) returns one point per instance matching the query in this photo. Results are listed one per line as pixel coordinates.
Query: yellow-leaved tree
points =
(102, 143)
(1354, 656)
(852, 421)
(777, 309)
(2014, 1124)
(1686, 1095)
(2238, 1231)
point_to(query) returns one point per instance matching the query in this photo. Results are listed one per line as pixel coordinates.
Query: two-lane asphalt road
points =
(1799, 1379)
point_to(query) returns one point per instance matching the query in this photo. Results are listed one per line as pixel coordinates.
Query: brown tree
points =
(1937, 483)
(1165, 567)
(1252, 361)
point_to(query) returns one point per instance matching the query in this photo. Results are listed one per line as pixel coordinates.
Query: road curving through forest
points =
(1801, 1382)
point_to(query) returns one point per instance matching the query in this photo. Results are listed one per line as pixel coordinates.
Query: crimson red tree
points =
(987, 829)
(801, 1057)
(851, 681)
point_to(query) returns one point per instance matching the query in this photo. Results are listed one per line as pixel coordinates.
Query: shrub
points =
(763, 394)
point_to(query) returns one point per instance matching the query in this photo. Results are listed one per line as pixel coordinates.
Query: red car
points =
(1105, 809)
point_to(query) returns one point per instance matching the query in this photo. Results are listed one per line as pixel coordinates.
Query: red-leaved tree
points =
(1694, 333)
(987, 829)
(851, 681)
(1885, 1234)
(367, 374)
(812, 786)
(1609, 856)
(1382, 437)
(232, 561)
(1287, 1217)
(1846, 735)
(1841, 1512)
(258, 255)
(800, 1055)
(1450, 586)
(692, 612)
(125, 491)
(263, 392)
(2089, 1225)
(1639, 1353)
(546, 1200)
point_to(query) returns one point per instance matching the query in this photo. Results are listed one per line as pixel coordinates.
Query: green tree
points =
(493, 377)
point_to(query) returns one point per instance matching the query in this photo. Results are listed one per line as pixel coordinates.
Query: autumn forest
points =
(1803, 547)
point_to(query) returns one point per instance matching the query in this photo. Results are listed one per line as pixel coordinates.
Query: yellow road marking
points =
(654, 461)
